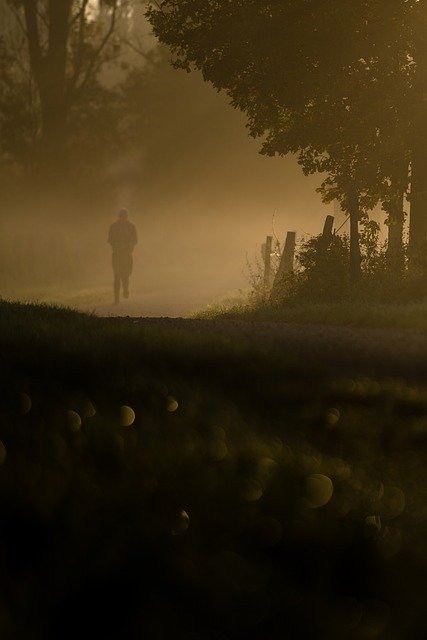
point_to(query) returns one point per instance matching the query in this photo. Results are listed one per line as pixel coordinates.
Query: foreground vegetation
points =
(391, 291)
(411, 316)
(165, 482)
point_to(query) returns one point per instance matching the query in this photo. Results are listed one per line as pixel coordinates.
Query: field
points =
(218, 480)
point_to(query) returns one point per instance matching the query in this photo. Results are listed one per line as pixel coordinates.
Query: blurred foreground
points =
(218, 480)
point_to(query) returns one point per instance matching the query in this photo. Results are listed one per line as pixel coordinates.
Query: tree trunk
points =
(53, 87)
(418, 210)
(353, 210)
(49, 71)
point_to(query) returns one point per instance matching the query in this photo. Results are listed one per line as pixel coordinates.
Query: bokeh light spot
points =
(393, 503)
(251, 490)
(333, 416)
(219, 433)
(171, 404)
(127, 416)
(319, 490)
(74, 420)
(24, 403)
(218, 450)
(88, 409)
(266, 469)
(182, 523)
(341, 469)
(276, 445)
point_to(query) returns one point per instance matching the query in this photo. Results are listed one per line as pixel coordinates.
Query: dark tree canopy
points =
(56, 54)
(338, 83)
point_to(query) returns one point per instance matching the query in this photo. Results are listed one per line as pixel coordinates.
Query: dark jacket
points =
(122, 236)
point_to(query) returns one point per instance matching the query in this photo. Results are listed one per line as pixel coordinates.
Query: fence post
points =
(327, 227)
(326, 237)
(286, 264)
(267, 261)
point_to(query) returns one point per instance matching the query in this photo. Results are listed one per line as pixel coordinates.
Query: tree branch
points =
(99, 49)
(33, 37)
(155, 3)
(18, 19)
(81, 12)
(81, 16)
(42, 17)
(135, 48)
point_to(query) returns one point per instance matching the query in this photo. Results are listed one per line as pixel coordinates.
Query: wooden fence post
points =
(286, 264)
(326, 237)
(327, 227)
(267, 261)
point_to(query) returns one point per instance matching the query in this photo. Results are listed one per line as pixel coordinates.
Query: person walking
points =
(122, 237)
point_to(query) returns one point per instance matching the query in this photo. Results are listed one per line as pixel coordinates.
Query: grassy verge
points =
(161, 482)
(411, 316)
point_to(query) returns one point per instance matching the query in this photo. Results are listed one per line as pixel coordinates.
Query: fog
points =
(203, 203)
(201, 196)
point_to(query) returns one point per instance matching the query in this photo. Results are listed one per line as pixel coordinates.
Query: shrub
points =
(322, 273)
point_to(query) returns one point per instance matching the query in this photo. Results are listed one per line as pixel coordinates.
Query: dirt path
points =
(381, 352)
(179, 301)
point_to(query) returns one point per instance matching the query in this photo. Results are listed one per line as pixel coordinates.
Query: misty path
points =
(165, 300)
(348, 350)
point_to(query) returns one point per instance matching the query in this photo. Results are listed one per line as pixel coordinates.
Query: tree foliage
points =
(335, 82)
(65, 62)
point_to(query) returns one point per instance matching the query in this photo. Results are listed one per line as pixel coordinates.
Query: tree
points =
(339, 87)
(18, 121)
(69, 44)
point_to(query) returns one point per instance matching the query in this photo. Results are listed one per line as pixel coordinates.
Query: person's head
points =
(123, 214)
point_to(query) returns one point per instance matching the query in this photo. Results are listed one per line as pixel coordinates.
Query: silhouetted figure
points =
(123, 237)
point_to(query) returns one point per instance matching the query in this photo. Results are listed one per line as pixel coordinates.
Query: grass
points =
(410, 316)
(254, 495)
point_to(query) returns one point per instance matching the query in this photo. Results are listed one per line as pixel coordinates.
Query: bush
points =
(322, 272)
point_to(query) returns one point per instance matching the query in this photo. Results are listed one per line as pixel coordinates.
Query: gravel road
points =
(383, 352)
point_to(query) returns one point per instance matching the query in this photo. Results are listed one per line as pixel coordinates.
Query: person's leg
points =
(116, 288)
(125, 280)
(127, 270)
(115, 263)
